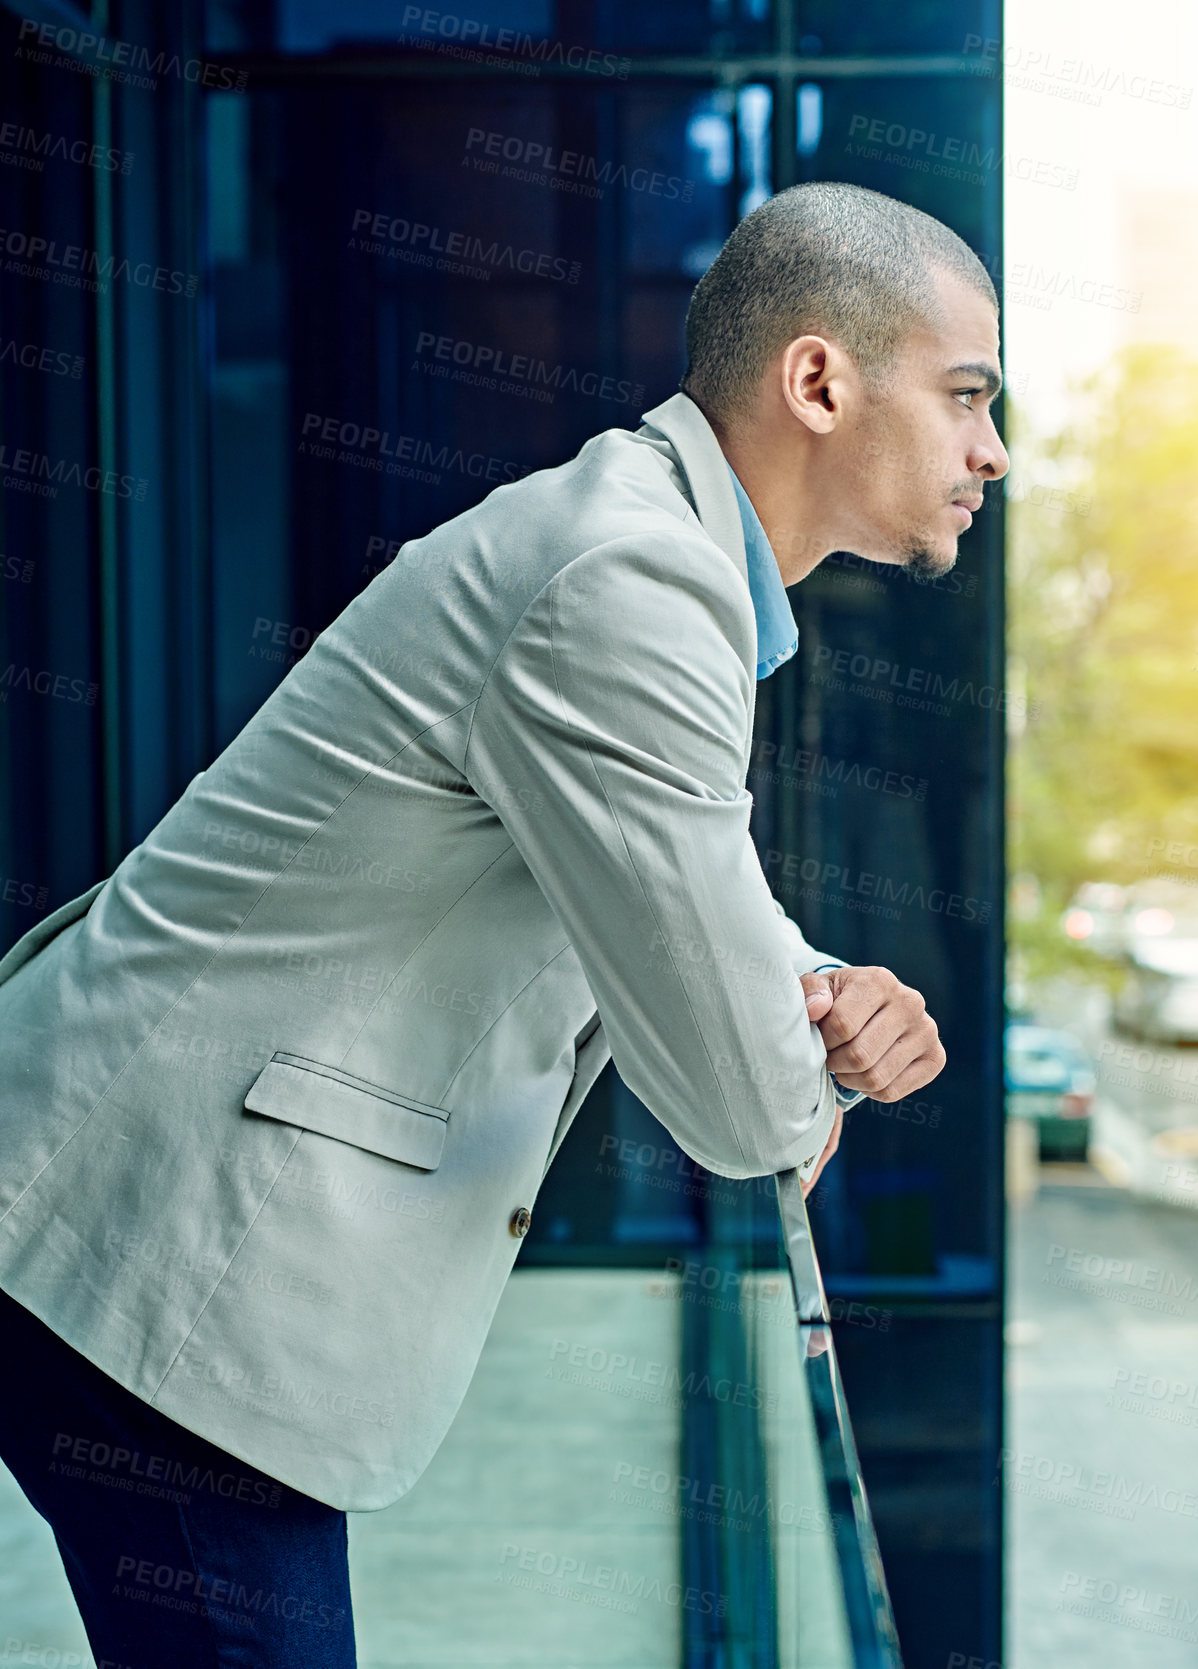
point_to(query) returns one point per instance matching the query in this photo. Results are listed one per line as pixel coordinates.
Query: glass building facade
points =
(333, 271)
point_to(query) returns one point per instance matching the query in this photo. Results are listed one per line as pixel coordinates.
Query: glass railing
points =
(652, 1467)
(868, 1616)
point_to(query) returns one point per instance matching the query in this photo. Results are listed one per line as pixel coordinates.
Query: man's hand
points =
(879, 1036)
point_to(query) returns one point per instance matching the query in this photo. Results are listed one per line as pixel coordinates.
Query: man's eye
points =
(957, 393)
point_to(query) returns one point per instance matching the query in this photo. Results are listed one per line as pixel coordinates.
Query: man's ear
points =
(813, 373)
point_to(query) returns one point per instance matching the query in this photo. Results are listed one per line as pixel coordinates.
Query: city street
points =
(1100, 1459)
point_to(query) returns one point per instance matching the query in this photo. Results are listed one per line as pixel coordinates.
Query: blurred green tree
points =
(1103, 644)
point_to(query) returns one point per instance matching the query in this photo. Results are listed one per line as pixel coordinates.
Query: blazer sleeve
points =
(610, 737)
(804, 959)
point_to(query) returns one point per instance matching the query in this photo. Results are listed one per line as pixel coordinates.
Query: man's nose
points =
(989, 457)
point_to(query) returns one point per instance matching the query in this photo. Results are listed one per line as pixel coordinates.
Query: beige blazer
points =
(277, 1095)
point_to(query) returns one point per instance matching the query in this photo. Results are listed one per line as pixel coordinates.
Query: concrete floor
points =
(1102, 1470)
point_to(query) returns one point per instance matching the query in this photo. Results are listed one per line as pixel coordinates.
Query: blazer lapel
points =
(706, 469)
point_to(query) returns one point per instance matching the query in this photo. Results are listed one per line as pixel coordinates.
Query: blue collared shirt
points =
(777, 635)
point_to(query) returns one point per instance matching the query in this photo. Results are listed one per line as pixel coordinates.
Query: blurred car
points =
(1159, 998)
(1115, 921)
(1049, 1077)
(1095, 917)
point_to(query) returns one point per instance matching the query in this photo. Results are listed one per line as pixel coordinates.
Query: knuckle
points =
(834, 1029)
(929, 1067)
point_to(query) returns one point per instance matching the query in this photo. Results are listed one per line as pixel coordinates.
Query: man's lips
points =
(971, 504)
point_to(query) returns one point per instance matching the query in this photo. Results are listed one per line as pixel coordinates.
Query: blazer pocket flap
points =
(349, 1109)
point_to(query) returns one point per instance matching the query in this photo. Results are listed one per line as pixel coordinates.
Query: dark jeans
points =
(179, 1555)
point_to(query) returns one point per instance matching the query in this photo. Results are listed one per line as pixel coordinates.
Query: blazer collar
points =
(703, 463)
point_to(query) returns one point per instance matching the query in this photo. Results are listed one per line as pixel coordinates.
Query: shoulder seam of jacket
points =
(622, 539)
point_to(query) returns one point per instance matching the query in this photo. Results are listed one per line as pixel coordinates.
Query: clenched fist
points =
(879, 1036)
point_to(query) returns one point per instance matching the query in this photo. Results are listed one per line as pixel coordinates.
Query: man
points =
(324, 1029)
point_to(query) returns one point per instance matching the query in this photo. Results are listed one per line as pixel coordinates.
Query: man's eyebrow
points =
(978, 368)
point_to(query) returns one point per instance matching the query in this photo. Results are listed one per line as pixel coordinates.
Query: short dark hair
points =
(828, 258)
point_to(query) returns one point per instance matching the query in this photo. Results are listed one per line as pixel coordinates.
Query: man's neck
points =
(764, 480)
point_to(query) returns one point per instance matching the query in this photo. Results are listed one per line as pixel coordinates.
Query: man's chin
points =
(927, 562)
(921, 561)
